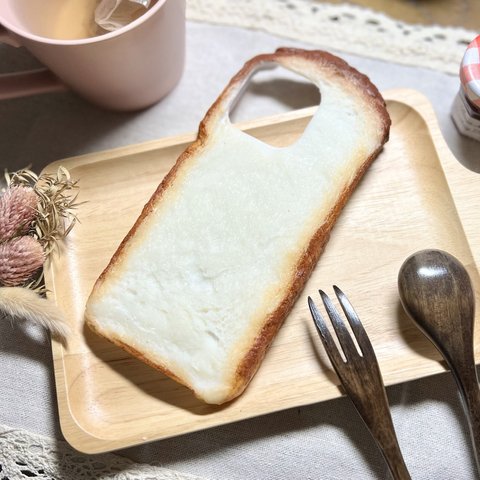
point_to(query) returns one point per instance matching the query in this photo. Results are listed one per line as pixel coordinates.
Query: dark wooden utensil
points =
(361, 377)
(436, 292)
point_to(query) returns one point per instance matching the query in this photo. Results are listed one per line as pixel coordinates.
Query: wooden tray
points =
(415, 196)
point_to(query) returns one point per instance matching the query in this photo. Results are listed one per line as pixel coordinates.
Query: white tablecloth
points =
(326, 440)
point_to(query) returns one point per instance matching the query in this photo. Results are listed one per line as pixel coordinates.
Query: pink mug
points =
(127, 69)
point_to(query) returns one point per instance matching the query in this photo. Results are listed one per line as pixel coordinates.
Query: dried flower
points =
(17, 211)
(57, 201)
(35, 213)
(20, 258)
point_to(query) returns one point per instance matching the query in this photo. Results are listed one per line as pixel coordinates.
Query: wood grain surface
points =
(415, 196)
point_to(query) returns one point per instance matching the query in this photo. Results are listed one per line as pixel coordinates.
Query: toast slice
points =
(213, 265)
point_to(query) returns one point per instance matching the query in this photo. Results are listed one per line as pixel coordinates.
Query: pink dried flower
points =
(17, 211)
(20, 258)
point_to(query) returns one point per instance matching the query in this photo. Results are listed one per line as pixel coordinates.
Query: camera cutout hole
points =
(270, 92)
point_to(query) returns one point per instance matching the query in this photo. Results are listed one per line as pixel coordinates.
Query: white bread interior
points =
(213, 265)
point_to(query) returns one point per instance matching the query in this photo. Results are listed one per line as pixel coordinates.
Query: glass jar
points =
(466, 106)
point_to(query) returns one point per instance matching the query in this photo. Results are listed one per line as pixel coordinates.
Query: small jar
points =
(466, 106)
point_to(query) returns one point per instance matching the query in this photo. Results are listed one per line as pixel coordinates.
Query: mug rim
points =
(82, 41)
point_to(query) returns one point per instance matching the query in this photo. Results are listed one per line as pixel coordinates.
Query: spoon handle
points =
(467, 383)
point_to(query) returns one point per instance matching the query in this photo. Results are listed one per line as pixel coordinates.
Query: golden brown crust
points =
(307, 262)
(149, 206)
(137, 354)
(303, 270)
(288, 57)
(319, 57)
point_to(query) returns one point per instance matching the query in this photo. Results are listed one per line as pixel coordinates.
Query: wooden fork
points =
(360, 376)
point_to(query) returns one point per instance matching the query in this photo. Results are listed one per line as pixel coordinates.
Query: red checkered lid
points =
(470, 72)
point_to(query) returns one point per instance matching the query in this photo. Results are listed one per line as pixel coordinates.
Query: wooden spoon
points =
(436, 292)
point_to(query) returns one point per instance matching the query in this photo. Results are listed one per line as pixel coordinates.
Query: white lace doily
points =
(345, 28)
(24, 455)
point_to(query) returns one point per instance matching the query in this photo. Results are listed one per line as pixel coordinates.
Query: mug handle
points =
(30, 82)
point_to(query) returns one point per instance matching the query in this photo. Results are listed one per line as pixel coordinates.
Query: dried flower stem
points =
(22, 303)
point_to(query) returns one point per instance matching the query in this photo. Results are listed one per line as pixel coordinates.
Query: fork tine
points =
(354, 321)
(339, 326)
(325, 336)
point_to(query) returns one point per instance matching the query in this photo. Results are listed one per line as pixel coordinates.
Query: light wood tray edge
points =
(464, 184)
(86, 442)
